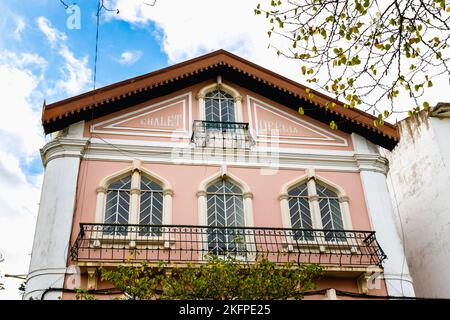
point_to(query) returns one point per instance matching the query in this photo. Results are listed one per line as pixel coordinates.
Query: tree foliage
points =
(218, 279)
(367, 53)
(2, 286)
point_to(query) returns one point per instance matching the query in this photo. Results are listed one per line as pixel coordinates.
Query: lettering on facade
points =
(170, 121)
(271, 125)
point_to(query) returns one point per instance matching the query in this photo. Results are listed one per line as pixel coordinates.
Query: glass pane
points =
(124, 183)
(331, 219)
(300, 217)
(219, 107)
(149, 185)
(227, 111)
(225, 208)
(151, 212)
(299, 191)
(117, 211)
(325, 192)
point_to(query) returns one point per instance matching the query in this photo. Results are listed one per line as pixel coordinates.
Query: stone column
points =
(381, 213)
(48, 263)
(202, 214)
(169, 238)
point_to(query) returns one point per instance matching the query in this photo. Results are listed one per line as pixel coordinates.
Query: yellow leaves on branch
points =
(333, 125)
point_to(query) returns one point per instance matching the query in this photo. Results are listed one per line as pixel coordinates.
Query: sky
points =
(43, 57)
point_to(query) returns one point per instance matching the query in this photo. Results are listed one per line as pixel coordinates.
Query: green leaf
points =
(303, 70)
(333, 125)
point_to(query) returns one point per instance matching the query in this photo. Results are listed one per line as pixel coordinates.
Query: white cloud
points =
(130, 57)
(76, 74)
(52, 34)
(191, 28)
(17, 33)
(20, 119)
(22, 78)
(21, 135)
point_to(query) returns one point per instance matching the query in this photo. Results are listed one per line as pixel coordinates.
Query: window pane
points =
(227, 111)
(151, 207)
(225, 208)
(118, 205)
(299, 191)
(149, 185)
(325, 192)
(117, 211)
(331, 215)
(123, 184)
(219, 107)
(300, 212)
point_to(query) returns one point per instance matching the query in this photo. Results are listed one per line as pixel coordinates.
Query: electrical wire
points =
(99, 8)
(114, 291)
(389, 178)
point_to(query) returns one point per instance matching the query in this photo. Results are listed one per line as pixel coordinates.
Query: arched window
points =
(117, 208)
(225, 208)
(151, 205)
(300, 212)
(330, 212)
(134, 196)
(219, 107)
(312, 202)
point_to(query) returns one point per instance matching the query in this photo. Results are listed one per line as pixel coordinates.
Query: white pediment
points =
(168, 118)
(268, 123)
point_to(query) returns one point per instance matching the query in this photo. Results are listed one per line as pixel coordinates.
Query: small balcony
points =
(225, 135)
(178, 244)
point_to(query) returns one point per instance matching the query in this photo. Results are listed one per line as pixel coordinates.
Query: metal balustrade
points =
(225, 135)
(193, 244)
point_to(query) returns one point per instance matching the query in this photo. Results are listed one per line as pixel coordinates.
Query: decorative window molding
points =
(219, 85)
(316, 200)
(142, 181)
(205, 191)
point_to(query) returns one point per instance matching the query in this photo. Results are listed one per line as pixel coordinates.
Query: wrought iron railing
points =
(193, 244)
(226, 135)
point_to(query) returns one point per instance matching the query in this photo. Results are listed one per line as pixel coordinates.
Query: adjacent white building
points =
(419, 181)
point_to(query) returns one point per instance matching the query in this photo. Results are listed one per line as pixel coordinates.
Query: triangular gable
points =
(124, 94)
(168, 118)
(268, 122)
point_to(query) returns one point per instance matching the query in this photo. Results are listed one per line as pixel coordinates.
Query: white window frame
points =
(247, 196)
(311, 178)
(136, 170)
(219, 85)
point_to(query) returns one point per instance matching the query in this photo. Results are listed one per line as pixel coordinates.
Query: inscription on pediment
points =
(269, 122)
(171, 116)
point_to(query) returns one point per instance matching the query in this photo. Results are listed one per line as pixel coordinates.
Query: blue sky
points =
(35, 68)
(115, 38)
(41, 58)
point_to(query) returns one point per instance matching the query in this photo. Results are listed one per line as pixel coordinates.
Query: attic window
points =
(219, 107)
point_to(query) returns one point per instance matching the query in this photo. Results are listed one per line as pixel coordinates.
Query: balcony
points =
(112, 243)
(225, 135)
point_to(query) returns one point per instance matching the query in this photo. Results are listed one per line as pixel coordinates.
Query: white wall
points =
(396, 272)
(441, 129)
(421, 195)
(54, 222)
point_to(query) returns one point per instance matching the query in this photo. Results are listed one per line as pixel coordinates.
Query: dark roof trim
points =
(96, 103)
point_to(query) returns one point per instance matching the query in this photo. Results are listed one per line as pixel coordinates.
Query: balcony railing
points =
(225, 135)
(193, 244)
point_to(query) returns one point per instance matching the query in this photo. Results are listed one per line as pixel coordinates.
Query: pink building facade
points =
(211, 157)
